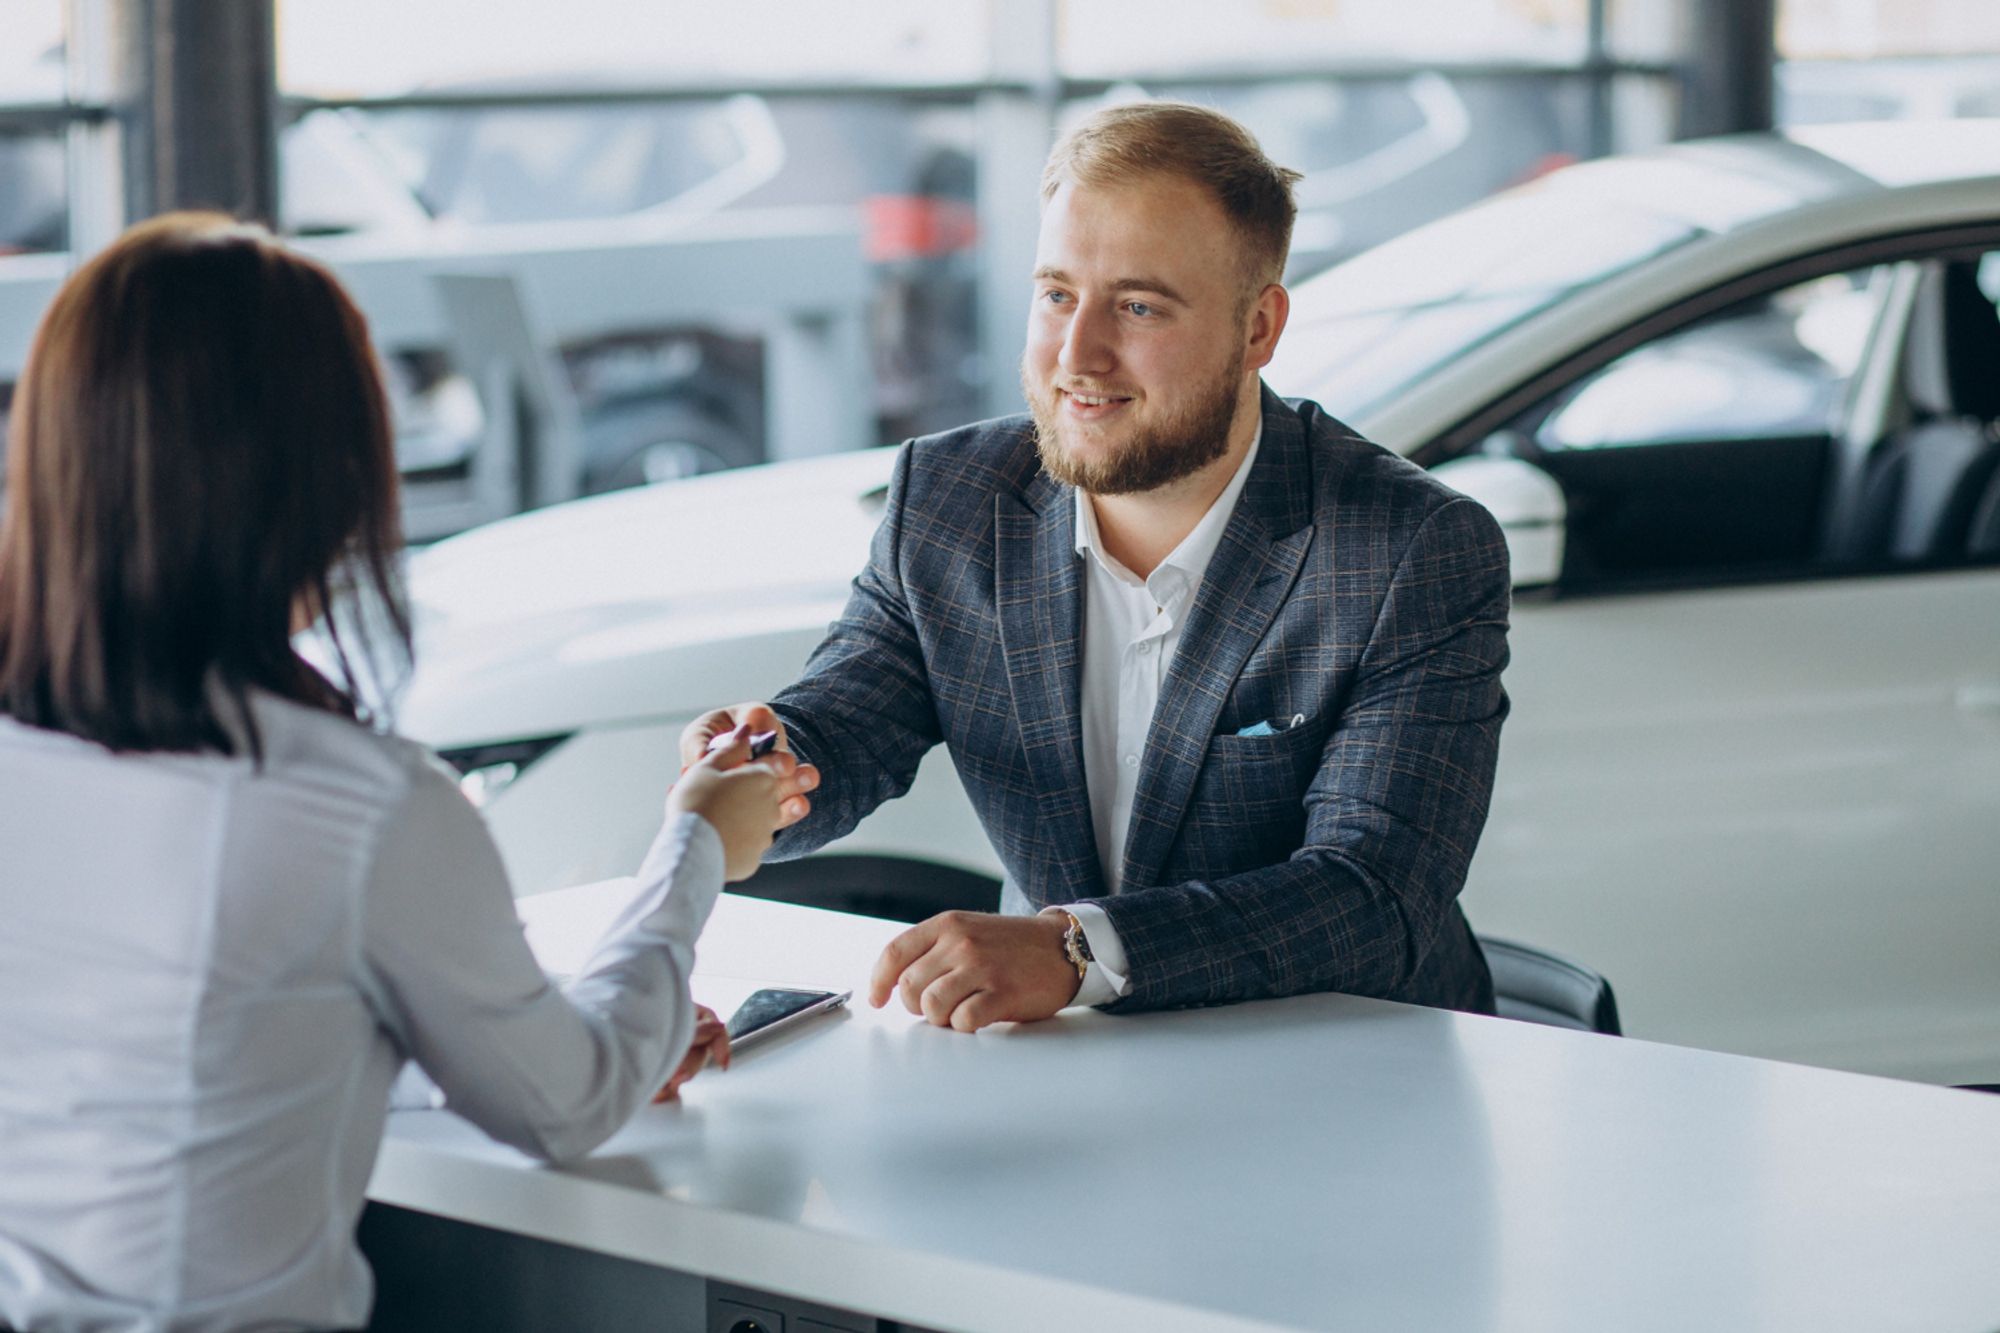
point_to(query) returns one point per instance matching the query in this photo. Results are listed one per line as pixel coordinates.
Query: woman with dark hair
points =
(233, 905)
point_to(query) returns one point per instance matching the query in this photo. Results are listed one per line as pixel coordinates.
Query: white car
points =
(1737, 404)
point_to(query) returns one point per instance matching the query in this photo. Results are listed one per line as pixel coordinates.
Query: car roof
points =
(1724, 184)
(1741, 203)
(1907, 152)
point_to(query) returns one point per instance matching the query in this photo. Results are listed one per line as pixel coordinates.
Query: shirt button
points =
(1147, 646)
(1131, 761)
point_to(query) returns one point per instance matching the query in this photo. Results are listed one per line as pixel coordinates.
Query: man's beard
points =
(1154, 455)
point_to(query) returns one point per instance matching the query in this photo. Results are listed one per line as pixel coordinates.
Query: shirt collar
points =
(1187, 562)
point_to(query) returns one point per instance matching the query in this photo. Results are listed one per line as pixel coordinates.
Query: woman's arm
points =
(553, 1072)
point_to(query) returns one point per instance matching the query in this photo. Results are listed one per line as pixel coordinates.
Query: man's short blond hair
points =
(1122, 144)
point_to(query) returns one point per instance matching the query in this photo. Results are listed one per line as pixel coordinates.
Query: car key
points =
(761, 743)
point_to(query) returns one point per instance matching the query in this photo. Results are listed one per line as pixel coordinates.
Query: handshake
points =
(739, 775)
(960, 970)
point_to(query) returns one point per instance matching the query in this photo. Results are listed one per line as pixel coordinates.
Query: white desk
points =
(1322, 1162)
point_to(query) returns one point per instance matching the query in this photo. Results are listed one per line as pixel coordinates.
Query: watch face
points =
(1076, 944)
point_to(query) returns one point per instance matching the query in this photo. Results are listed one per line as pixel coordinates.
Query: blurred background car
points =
(1737, 406)
(667, 402)
(657, 400)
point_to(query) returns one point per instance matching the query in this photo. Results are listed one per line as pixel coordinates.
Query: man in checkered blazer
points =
(1221, 678)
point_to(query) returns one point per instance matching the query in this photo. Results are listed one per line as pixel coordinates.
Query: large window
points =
(33, 207)
(31, 65)
(1887, 59)
(387, 47)
(1137, 38)
(649, 240)
(1866, 29)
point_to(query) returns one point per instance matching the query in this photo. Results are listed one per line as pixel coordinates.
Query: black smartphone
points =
(774, 1010)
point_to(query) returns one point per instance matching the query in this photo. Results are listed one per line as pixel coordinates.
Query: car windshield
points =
(1364, 331)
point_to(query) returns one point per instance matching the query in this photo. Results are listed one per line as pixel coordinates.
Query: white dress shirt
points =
(1131, 629)
(209, 976)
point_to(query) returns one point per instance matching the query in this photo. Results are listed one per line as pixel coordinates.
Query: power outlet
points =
(746, 1310)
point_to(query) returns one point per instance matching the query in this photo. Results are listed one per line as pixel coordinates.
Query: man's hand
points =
(967, 969)
(745, 803)
(710, 1046)
(695, 738)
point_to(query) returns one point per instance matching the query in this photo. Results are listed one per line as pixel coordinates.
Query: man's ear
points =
(1268, 314)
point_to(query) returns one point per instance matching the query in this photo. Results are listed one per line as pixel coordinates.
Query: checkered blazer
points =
(1349, 586)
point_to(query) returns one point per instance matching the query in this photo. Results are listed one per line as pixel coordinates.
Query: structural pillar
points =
(1729, 80)
(196, 100)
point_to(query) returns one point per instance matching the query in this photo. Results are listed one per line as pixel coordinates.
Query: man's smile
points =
(1091, 406)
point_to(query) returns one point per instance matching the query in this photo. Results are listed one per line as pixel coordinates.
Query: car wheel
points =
(674, 446)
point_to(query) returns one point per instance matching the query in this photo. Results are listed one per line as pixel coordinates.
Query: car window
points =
(1777, 366)
(1733, 448)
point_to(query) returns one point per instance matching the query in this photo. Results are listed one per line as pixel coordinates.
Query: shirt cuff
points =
(677, 885)
(688, 854)
(1105, 977)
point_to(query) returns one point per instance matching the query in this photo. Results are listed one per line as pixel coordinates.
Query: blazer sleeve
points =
(862, 711)
(1393, 811)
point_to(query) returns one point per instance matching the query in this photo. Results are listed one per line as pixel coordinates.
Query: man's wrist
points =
(1106, 978)
(1059, 923)
(1076, 946)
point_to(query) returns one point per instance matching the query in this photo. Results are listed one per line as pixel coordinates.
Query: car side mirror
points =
(1527, 503)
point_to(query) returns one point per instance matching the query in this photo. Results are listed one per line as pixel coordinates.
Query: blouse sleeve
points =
(551, 1071)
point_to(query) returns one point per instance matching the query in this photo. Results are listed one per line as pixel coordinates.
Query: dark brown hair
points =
(200, 453)
(1124, 143)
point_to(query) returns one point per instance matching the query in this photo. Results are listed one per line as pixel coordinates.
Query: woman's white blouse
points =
(210, 975)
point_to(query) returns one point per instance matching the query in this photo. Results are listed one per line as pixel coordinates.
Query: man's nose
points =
(1087, 347)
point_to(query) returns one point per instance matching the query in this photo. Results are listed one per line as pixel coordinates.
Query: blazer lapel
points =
(1038, 595)
(1243, 590)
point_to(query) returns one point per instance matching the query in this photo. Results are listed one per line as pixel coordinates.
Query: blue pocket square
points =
(1272, 726)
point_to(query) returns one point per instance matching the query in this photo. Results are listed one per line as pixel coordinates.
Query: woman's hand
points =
(709, 728)
(747, 803)
(710, 1046)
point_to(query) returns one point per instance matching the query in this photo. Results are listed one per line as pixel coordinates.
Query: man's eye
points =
(1140, 308)
(1055, 297)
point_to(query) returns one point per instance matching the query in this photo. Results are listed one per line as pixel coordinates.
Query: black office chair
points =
(1537, 986)
(898, 888)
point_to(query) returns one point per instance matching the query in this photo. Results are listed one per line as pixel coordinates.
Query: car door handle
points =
(1980, 696)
